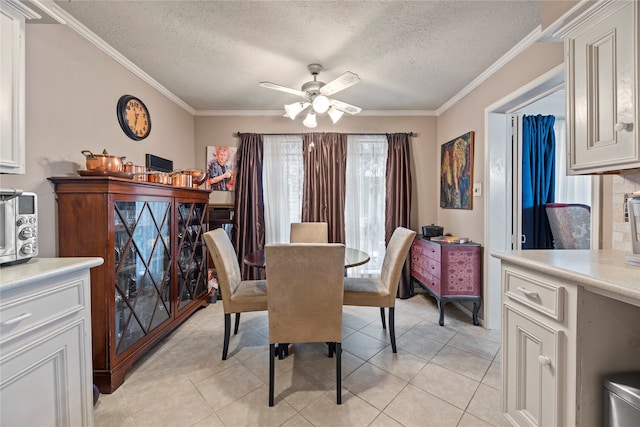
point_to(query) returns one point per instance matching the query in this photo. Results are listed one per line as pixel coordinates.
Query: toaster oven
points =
(18, 226)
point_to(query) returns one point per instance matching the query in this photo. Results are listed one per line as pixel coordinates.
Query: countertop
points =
(15, 276)
(602, 271)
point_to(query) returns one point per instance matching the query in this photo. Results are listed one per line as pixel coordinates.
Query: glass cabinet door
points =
(191, 265)
(142, 268)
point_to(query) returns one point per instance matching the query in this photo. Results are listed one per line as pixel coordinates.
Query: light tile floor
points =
(441, 376)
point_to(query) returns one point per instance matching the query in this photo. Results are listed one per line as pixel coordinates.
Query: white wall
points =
(72, 89)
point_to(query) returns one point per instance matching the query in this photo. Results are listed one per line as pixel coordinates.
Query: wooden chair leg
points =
(384, 325)
(272, 361)
(227, 332)
(235, 328)
(338, 373)
(392, 329)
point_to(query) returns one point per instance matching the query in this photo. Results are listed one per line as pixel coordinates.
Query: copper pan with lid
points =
(103, 162)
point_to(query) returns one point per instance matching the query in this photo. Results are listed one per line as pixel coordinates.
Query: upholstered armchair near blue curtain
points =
(538, 179)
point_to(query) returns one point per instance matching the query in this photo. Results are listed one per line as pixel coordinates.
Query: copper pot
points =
(159, 177)
(180, 179)
(129, 167)
(199, 176)
(103, 162)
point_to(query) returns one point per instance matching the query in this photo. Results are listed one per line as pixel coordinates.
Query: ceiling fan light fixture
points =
(321, 104)
(335, 114)
(294, 109)
(310, 120)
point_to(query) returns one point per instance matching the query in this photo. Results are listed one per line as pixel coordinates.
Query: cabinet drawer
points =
(536, 292)
(432, 282)
(39, 308)
(433, 267)
(427, 249)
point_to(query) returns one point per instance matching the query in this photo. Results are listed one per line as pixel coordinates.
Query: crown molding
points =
(62, 16)
(255, 113)
(20, 8)
(529, 39)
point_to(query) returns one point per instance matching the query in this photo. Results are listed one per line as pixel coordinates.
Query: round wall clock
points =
(133, 117)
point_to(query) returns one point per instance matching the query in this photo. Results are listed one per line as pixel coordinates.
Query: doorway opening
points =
(502, 183)
(569, 190)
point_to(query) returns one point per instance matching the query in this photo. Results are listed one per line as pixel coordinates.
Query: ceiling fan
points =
(316, 94)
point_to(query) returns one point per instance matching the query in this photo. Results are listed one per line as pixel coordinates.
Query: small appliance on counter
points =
(633, 207)
(19, 226)
(429, 231)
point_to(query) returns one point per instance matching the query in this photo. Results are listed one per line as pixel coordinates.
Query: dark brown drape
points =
(325, 164)
(398, 198)
(248, 220)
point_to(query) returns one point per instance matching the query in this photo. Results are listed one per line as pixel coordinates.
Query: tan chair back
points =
(394, 258)
(226, 263)
(305, 292)
(309, 232)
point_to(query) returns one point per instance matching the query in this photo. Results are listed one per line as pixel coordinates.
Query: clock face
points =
(134, 117)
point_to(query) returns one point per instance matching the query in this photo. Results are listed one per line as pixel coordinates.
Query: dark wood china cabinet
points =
(155, 263)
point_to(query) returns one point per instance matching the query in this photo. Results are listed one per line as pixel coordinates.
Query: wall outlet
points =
(477, 189)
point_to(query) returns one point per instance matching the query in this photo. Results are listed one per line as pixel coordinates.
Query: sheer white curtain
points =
(365, 198)
(568, 189)
(282, 178)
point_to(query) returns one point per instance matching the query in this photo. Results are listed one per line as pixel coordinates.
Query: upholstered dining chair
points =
(305, 307)
(381, 291)
(570, 225)
(238, 295)
(309, 232)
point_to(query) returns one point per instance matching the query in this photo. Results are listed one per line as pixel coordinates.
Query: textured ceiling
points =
(413, 55)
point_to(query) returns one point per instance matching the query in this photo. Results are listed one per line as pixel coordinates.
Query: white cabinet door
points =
(12, 85)
(42, 384)
(602, 58)
(530, 370)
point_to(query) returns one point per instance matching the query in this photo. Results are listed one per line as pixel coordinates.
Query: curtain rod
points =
(345, 133)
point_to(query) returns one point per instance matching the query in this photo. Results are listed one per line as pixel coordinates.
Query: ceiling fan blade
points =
(343, 106)
(342, 82)
(274, 86)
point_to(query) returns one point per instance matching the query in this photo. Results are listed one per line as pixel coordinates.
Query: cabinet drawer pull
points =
(529, 294)
(544, 360)
(16, 319)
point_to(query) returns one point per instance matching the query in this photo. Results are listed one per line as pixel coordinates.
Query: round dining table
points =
(352, 258)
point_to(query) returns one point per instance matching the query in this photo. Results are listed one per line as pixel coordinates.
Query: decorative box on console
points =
(448, 271)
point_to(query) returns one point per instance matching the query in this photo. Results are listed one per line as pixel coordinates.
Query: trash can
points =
(622, 400)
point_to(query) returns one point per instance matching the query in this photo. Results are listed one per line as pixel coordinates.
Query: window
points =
(568, 188)
(365, 199)
(283, 177)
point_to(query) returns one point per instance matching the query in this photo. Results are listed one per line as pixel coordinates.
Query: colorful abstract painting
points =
(456, 173)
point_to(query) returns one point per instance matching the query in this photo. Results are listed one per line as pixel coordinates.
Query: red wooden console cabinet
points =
(448, 271)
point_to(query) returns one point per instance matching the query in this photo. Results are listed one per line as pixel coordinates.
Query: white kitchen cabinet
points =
(569, 319)
(45, 343)
(12, 85)
(601, 63)
(536, 338)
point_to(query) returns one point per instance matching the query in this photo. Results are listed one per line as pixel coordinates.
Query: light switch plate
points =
(477, 189)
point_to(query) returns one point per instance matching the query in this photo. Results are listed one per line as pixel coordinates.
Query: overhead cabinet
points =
(12, 85)
(155, 271)
(601, 47)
